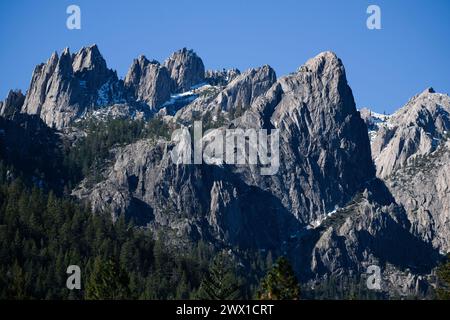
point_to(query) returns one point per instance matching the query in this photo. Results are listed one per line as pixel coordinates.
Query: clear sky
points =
(384, 67)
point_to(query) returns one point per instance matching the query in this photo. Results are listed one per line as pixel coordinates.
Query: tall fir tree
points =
(108, 281)
(443, 273)
(280, 283)
(220, 283)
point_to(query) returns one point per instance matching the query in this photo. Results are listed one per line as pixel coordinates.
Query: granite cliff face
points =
(243, 90)
(324, 144)
(411, 152)
(422, 188)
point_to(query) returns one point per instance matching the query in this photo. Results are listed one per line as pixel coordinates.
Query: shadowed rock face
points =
(325, 156)
(12, 104)
(221, 77)
(148, 81)
(238, 94)
(67, 86)
(186, 69)
(33, 150)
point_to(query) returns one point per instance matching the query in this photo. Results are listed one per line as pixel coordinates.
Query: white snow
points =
(316, 223)
(187, 96)
(200, 85)
(377, 121)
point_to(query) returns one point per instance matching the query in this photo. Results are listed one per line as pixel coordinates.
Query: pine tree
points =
(280, 283)
(220, 282)
(443, 291)
(18, 290)
(108, 281)
(183, 287)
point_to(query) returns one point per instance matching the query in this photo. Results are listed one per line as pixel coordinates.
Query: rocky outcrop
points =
(374, 121)
(243, 90)
(221, 77)
(90, 69)
(422, 187)
(231, 100)
(12, 104)
(66, 86)
(369, 231)
(189, 202)
(411, 152)
(149, 82)
(324, 147)
(414, 130)
(186, 69)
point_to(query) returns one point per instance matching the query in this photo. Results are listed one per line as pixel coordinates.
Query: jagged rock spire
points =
(12, 104)
(149, 82)
(66, 86)
(186, 69)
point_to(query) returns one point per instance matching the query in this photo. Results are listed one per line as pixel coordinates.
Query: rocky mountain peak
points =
(309, 105)
(12, 104)
(64, 65)
(236, 93)
(89, 58)
(324, 62)
(136, 69)
(53, 59)
(414, 130)
(221, 77)
(243, 90)
(320, 86)
(186, 69)
(66, 86)
(148, 81)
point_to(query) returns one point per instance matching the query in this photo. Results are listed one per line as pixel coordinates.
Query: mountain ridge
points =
(336, 204)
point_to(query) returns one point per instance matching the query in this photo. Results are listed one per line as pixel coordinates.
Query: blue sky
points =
(384, 67)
